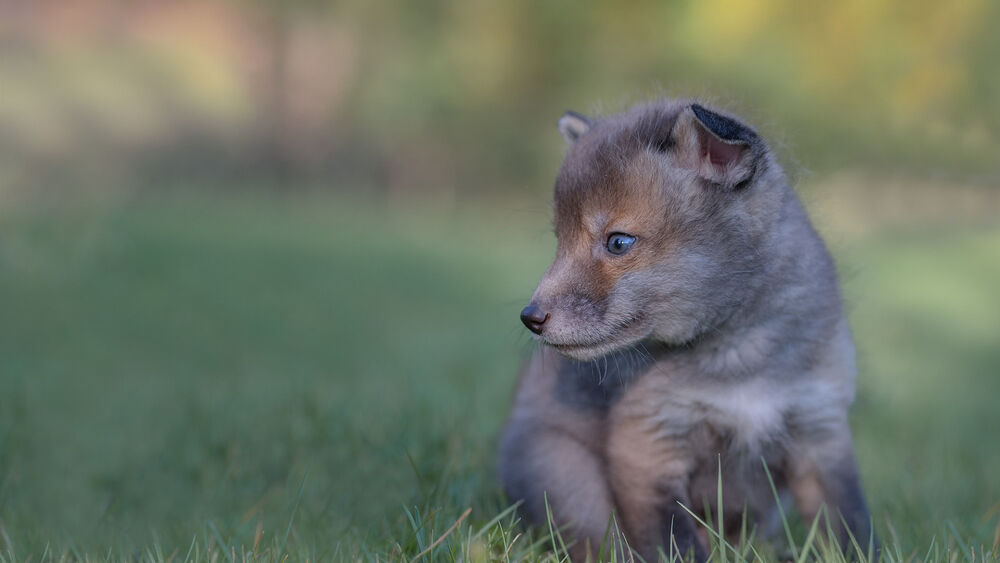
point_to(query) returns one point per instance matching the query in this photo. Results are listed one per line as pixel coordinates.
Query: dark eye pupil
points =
(620, 243)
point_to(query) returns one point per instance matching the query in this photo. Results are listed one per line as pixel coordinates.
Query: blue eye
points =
(620, 243)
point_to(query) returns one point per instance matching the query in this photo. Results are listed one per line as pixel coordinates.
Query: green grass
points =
(202, 374)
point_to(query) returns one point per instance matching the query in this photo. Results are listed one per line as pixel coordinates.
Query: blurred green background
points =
(261, 261)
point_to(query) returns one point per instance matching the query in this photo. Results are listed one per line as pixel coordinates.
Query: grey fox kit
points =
(698, 321)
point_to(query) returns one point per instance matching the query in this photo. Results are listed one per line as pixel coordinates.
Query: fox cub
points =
(691, 321)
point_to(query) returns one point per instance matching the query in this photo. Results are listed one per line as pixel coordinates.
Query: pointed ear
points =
(572, 126)
(718, 148)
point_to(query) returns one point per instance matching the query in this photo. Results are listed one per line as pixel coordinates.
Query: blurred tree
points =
(276, 21)
(456, 97)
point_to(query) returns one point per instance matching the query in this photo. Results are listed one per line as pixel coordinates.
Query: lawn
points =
(317, 376)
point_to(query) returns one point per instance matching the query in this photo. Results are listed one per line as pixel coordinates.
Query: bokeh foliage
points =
(445, 97)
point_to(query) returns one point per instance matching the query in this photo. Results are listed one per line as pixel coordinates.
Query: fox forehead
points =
(629, 198)
(643, 197)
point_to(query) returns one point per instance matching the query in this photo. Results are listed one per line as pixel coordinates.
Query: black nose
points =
(533, 317)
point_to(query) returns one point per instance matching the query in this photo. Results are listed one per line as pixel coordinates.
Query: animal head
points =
(661, 216)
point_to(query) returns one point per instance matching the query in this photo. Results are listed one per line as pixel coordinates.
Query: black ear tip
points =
(705, 115)
(575, 116)
(725, 128)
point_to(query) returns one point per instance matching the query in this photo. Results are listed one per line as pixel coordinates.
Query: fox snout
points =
(544, 303)
(534, 317)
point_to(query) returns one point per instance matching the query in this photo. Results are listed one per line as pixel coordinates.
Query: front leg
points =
(822, 471)
(649, 475)
(540, 464)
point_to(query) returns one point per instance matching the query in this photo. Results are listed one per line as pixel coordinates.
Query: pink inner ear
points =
(720, 153)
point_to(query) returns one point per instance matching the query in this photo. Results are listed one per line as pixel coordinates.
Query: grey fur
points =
(722, 341)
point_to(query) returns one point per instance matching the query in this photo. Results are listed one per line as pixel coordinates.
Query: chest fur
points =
(745, 416)
(749, 415)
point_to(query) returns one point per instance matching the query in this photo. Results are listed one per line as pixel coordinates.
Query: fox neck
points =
(790, 311)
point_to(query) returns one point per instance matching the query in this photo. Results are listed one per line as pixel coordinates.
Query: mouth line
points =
(613, 341)
(570, 347)
(610, 345)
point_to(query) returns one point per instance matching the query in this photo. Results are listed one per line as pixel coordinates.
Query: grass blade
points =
(496, 519)
(444, 535)
(781, 511)
(719, 515)
(218, 538)
(811, 535)
(295, 508)
(554, 531)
